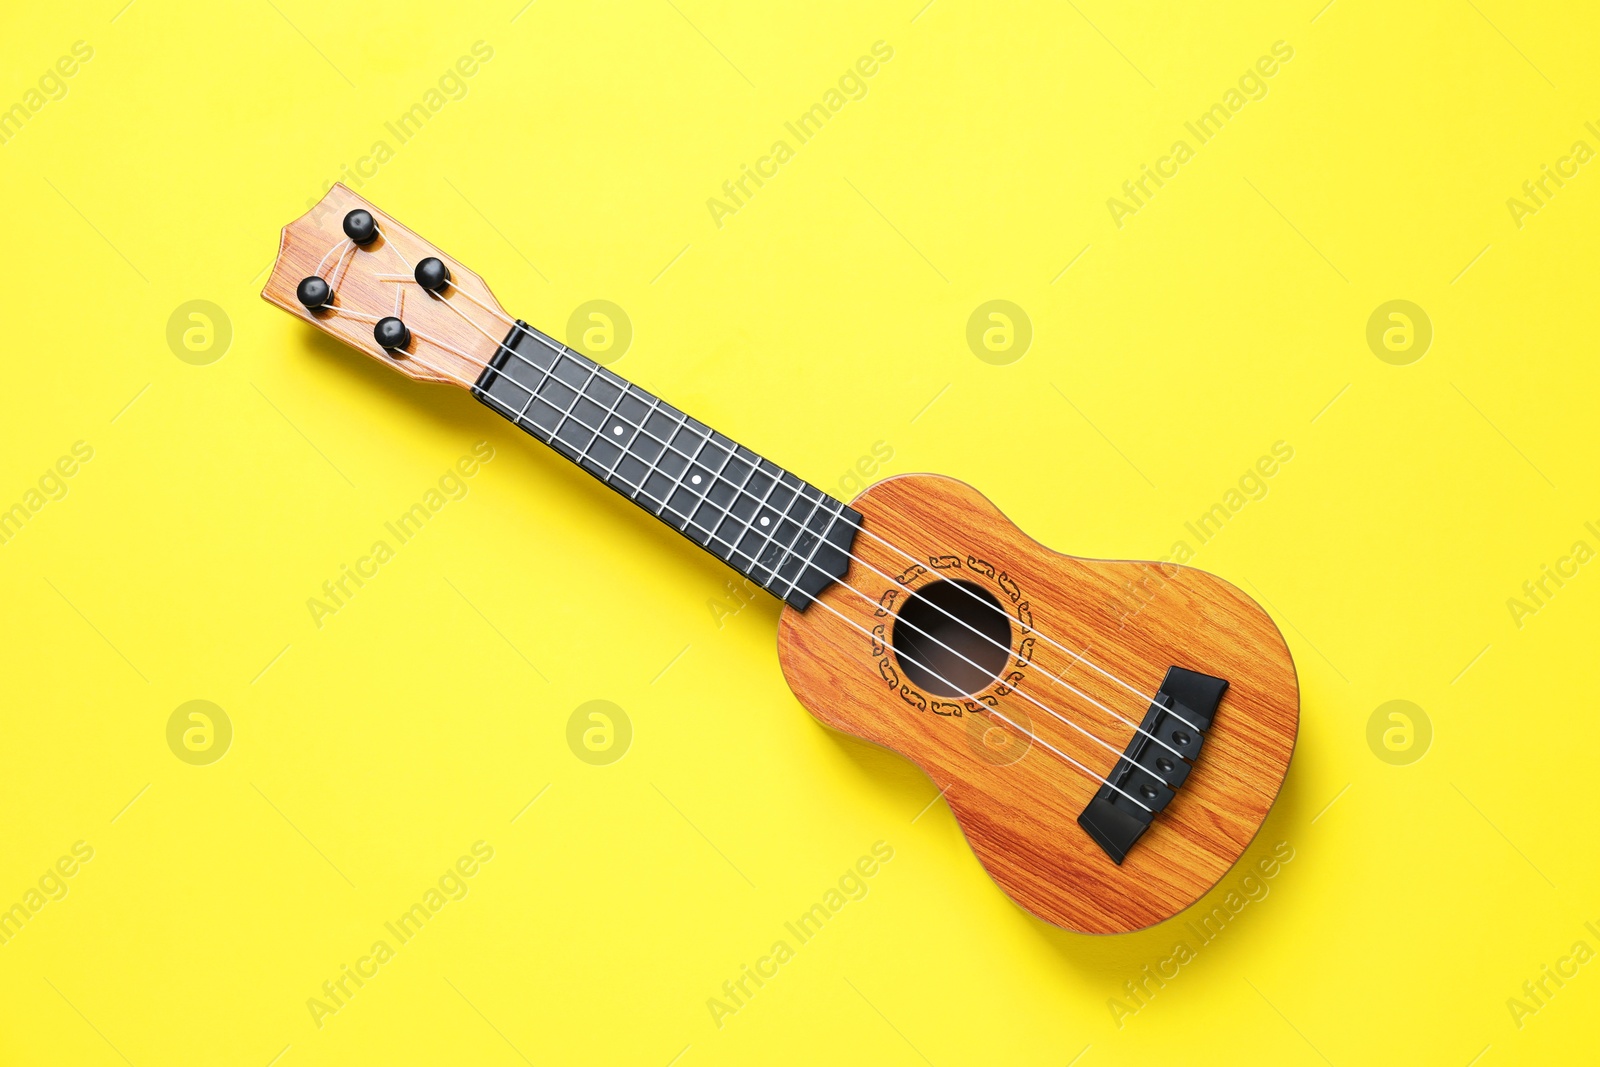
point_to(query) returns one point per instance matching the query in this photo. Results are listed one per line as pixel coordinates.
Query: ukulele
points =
(1107, 763)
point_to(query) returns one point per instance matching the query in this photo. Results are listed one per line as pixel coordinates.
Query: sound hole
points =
(943, 622)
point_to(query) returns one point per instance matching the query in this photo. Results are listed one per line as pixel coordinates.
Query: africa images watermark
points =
(1537, 192)
(1203, 929)
(51, 487)
(338, 591)
(451, 85)
(1252, 85)
(1253, 486)
(852, 85)
(1553, 577)
(1539, 991)
(339, 991)
(50, 88)
(51, 886)
(737, 992)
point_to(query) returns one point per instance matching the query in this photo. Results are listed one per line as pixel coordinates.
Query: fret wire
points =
(558, 349)
(533, 391)
(526, 404)
(561, 352)
(640, 488)
(725, 514)
(802, 486)
(683, 424)
(544, 375)
(742, 491)
(627, 449)
(717, 476)
(654, 466)
(777, 522)
(710, 438)
(800, 571)
(755, 559)
(771, 539)
(787, 551)
(567, 414)
(612, 410)
(677, 485)
(533, 394)
(821, 538)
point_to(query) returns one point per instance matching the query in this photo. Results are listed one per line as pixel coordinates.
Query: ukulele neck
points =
(781, 532)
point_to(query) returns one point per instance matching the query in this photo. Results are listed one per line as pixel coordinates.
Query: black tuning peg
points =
(313, 292)
(391, 334)
(361, 227)
(432, 274)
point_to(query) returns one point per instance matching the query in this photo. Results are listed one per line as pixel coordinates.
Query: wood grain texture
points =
(1131, 619)
(452, 338)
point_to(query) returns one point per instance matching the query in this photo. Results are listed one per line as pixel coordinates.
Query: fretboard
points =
(784, 534)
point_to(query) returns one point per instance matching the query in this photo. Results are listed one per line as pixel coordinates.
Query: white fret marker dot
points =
(765, 521)
(617, 431)
(695, 479)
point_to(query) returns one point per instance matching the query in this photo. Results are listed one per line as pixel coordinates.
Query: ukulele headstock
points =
(345, 272)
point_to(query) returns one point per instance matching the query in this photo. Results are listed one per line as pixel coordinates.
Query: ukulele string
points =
(828, 607)
(962, 623)
(1079, 656)
(808, 563)
(1055, 680)
(401, 254)
(1006, 648)
(1059, 682)
(337, 246)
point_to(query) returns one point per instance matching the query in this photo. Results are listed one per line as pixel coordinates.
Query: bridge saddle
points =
(1183, 709)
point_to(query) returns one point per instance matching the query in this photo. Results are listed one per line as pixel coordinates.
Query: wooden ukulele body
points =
(1017, 802)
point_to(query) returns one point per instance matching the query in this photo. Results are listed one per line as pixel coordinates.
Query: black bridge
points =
(1179, 716)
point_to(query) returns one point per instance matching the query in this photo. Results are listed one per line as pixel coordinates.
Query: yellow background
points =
(1227, 314)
